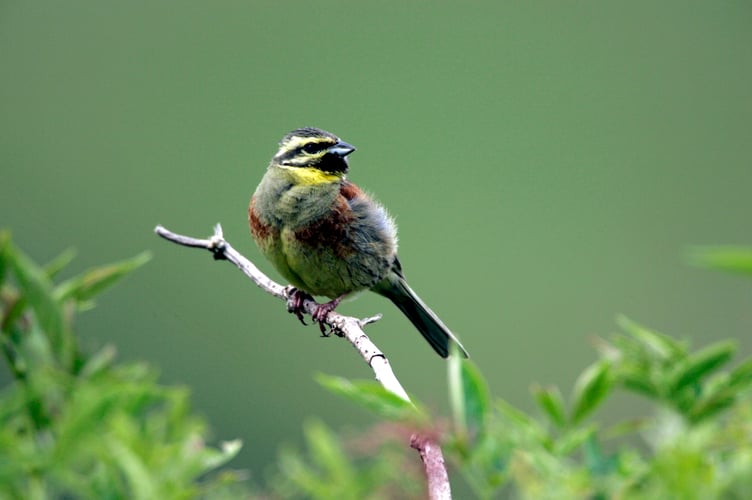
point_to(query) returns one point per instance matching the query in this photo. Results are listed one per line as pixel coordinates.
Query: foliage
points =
(699, 441)
(694, 442)
(74, 425)
(725, 258)
(374, 467)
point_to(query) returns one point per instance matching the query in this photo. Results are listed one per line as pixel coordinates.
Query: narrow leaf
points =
(658, 343)
(723, 258)
(36, 289)
(595, 459)
(631, 426)
(212, 458)
(457, 396)
(370, 395)
(741, 376)
(711, 406)
(573, 439)
(59, 263)
(640, 383)
(477, 399)
(327, 451)
(4, 256)
(98, 362)
(701, 363)
(551, 402)
(519, 417)
(141, 483)
(590, 388)
(93, 282)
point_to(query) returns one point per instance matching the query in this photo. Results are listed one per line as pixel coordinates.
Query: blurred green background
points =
(547, 163)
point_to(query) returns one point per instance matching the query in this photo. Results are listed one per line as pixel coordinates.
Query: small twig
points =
(433, 463)
(349, 328)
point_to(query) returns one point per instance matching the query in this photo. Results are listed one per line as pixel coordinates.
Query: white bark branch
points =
(345, 326)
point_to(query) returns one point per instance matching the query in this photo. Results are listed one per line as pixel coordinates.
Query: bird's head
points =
(316, 154)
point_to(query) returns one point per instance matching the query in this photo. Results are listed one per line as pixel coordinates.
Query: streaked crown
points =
(310, 147)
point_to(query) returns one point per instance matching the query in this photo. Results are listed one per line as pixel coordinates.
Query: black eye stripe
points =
(314, 147)
(304, 153)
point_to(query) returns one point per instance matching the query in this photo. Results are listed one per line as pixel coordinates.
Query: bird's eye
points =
(312, 147)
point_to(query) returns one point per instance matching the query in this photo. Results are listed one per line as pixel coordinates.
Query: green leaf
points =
(298, 471)
(701, 363)
(590, 388)
(59, 263)
(477, 398)
(457, 396)
(326, 450)
(551, 402)
(212, 458)
(741, 376)
(93, 282)
(98, 362)
(36, 289)
(724, 258)
(142, 484)
(13, 304)
(372, 396)
(626, 427)
(640, 383)
(520, 419)
(711, 405)
(4, 256)
(659, 344)
(596, 461)
(573, 439)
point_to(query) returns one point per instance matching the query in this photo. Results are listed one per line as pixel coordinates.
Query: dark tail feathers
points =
(424, 319)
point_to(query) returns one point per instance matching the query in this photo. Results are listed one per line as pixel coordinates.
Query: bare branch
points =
(345, 326)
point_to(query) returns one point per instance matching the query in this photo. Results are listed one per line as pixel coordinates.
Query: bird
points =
(328, 237)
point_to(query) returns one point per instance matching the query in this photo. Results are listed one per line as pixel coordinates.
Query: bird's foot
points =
(323, 310)
(295, 301)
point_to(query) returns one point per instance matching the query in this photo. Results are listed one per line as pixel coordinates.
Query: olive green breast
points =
(319, 240)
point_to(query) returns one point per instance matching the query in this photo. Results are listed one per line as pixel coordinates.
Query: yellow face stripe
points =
(296, 142)
(309, 176)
